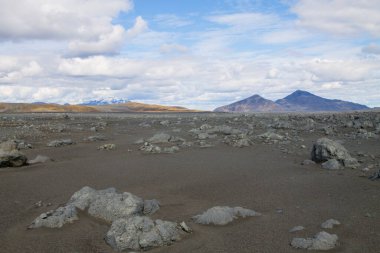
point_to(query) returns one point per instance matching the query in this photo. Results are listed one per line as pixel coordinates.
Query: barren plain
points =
(191, 162)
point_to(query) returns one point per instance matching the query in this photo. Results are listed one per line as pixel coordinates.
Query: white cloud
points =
(139, 27)
(284, 36)
(125, 68)
(87, 25)
(340, 17)
(65, 19)
(12, 69)
(245, 21)
(173, 48)
(101, 66)
(171, 20)
(331, 86)
(343, 70)
(107, 43)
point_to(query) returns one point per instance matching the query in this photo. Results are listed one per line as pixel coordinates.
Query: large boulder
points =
(111, 206)
(141, 233)
(10, 156)
(325, 149)
(107, 204)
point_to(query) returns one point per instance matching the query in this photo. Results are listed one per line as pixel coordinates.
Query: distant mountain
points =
(139, 107)
(306, 101)
(42, 107)
(117, 107)
(298, 101)
(255, 103)
(106, 101)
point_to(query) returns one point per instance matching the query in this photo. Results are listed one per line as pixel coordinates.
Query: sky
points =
(200, 54)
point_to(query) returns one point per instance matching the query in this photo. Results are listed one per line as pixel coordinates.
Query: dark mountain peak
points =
(254, 103)
(256, 97)
(300, 93)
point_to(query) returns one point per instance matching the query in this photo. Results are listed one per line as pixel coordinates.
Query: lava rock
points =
(321, 241)
(325, 149)
(222, 215)
(330, 223)
(141, 233)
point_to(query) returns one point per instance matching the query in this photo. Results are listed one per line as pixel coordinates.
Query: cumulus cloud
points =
(87, 25)
(12, 70)
(107, 43)
(325, 70)
(139, 27)
(125, 68)
(101, 66)
(340, 17)
(50, 19)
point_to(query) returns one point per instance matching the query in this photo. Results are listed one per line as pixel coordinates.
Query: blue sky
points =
(198, 54)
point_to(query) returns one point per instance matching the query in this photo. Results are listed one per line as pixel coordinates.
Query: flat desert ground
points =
(266, 175)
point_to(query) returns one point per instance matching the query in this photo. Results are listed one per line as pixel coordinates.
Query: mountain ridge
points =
(120, 107)
(298, 101)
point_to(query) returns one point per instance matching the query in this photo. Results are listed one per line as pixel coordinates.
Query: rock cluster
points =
(130, 228)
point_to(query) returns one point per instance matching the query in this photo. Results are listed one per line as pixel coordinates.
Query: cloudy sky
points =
(199, 54)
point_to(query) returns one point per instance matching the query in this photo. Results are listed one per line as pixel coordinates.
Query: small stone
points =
(38, 204)
(296, 229)
(330, 223)
(109, 146)
(307, 162)
(60, 143)
(39, 159)
(375, 176)
(185, 228)
(331, 164)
